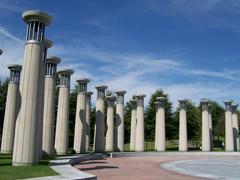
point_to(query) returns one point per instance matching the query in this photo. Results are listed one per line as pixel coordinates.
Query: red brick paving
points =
(136, 168)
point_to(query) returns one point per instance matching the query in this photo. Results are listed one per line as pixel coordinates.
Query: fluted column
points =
(62, 124)
(99, 132)
(88, 121)
(41, 86)
(235, 127)
(120, 121)
(183, 125)
(160, 135)
(133, 124)
(80, 119)
(11, 109)
(229, 146)
(210, 125)
(205, 125)
(49, 105)
(140, 123)
(110, 123)
(25, 141)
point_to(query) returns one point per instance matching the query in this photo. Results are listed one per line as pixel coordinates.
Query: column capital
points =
(120, 96)
(47, 43)
(15, 71)
(140, 99)
(183, 103)
(36, 15)
(82, 85)
(228, 106)
(51, 65)
(205, 104)
(64, 76)
(89, 93)
(1, 51)
(101, 91)
(133, 103)
(234, 108)
(110, 100)
(161, 101)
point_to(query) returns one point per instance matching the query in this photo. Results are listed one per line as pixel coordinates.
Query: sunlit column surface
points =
(228, 127)
(62, 124)
(110, 123)
(133, 124)
(235, 127)
(25, 141)
(80, 119)
(49, 104)
(11, 109)
(140, 123)
(99, 133)
(205, 125)
(183, 125)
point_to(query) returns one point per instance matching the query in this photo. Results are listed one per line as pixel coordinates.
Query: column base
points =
(22, 164)
(6, 152)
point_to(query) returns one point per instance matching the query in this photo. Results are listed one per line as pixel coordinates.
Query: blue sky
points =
(188, 48)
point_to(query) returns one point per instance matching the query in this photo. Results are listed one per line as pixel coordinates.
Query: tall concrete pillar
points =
(41, 86)
(99, 132)
(235, 127)
(210, 125)
(183, 125)
(120, 121)
(25, 148)
(11, 109)
(229, 145)
(88, 122)
(205, 125)
(62, 124)
(110, 123)
(160, 135)
(49, 105)
(140, 123)
(79, 144)
(133, 124)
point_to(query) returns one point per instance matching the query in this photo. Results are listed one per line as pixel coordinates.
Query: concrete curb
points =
(64, 166)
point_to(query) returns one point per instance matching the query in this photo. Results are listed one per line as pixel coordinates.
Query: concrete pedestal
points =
(11, 109)
(229, 145)
(140, 123)
(133, 125)
(183, 125)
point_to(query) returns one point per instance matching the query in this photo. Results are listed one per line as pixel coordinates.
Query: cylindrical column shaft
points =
(62, 125)
(205, 126)
(229, 145)
(235, 128)
(120, 121)
(133, 125)
(11, 110)
(110, 124)
(140, 123)
(183, 126)
(88, 122)
(99, 145)
(210, 128)
(49, 105)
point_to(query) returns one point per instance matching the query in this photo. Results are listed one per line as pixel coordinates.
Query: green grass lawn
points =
(7, 171)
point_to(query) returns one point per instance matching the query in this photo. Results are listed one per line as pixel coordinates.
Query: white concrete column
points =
(183, 145)
(120, 121)
(41, 86)
(62, 124)
(110, 123)
(160, 134)
(99, 133)
(79, 144)
(210, 125)
(133, 124)
(11, 109)
(205, 125)
(229, 145)
(49, 105)
(235, 127)
(88, 122)
(25, 141)
(140, 123)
